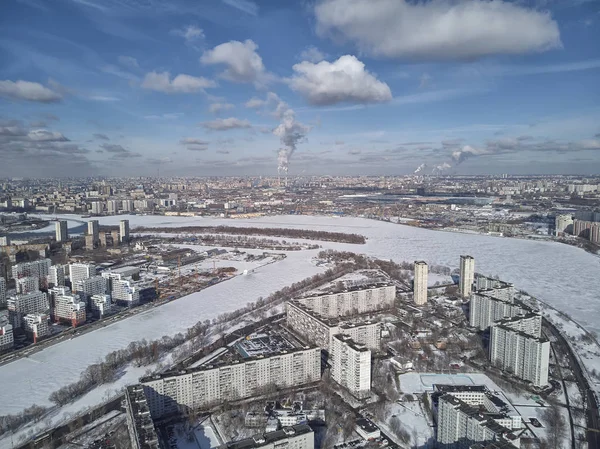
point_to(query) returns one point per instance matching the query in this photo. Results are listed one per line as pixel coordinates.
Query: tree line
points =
(308, 234)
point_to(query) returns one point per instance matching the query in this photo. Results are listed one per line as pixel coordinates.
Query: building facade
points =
(95, 285)
(68, 308)
(56, 276)
(319, 330)
(100, 305)
(124, 231)
(351, 301)
(79, 272)
(36, 326)
(563, 224)
(7, 341)
(61, 231)
(27, 284)
(467, 276)
(37, 268)
(2, 292)
(351, 365)
(170, 393)
(420, 283)
(516, 346)
(93, 230)
(488, 306)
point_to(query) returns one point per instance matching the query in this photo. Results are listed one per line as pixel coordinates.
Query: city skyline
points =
(236, 87)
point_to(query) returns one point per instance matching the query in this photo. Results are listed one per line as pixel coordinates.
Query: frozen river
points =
(564, 276)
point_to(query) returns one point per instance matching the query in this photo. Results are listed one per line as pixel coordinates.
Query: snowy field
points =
(550, 271)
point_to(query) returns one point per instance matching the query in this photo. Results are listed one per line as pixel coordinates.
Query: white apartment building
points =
(56, 275)
(199, 387)
(300, 436)
(100, 304)
(128, 205)
(70, 309)
(122, 290)
(34, 302)
(36, 325)
(38, 268)
(142, 433)
(7, 341)
(2, 291)
(516, 347)
(97, 207)
(351, 365)
(79, 272)
(562, 224)
(62, 231)
(95, 285)
(124, 231)
(112, 206)
(471, 414)
(4, 240)
(420, 283)
(27, 284)
(467, 276)
(485, 308)
(352, 301)
(319, 330)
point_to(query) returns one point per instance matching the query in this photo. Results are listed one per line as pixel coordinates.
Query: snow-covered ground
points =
(564, 276)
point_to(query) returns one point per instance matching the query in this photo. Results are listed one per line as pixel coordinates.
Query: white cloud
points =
(224, 124)
(190, 33)
(216, 108)
(182, 83)
(129, 61)
(437, 28)
(193, 141)
(255, 103)
(312, 54)
(26, 90)
(344, 80)
(244, 64)
(42, 135)
(243, 5)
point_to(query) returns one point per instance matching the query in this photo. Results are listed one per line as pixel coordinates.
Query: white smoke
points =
(290, 132)
(441, 168)
(466, 152)
(420, 168)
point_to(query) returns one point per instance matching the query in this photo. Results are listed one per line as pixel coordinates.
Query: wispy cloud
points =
(243, 5)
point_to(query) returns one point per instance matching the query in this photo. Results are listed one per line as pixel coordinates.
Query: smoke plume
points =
(290, 132)
(420, 168)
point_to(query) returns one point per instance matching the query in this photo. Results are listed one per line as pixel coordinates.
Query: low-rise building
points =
(300, 436)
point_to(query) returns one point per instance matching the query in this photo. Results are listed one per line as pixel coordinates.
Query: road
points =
(592, 414)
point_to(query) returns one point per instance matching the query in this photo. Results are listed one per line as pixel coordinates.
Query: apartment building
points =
(36, 326)
(320, 330)
(471, 414)
(27, 284)
(300, 436)
(351, 365)
(142, 433)
(124, 231)
(95, 285)
(420, 283)
(563, 224)
(123, 289)
(351, 301)
(69, 308)
(38, 268)
(61, 231)
(79, 272)
(7, 341)
(56, 275)
(467, 276)
(2, 292)
(100, 304)
(488, 306)
(516, 346)
(32, 302)
(170, 393)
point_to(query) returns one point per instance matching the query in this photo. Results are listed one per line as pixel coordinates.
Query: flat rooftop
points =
(269, 438)
(263, 343)
(357, 280)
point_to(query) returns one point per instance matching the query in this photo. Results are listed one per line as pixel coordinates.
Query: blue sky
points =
(240, 87)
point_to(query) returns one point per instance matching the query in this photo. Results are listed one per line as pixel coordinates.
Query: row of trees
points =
(243, 241)
(309, 234)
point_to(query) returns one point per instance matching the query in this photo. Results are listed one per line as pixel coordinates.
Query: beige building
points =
(420, 283)
(467, 276)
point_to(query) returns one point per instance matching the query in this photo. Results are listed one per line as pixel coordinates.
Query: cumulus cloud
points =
(190, 33)
(344, 80)
(312, 54)
(43, 135)
(129, 61)
(225, 124)
(28, 91)
(255, 103)
(437, 29)
(162, 82)
(217, 108)
(243, 63)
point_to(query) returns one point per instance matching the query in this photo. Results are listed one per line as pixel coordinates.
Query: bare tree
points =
(557, 426)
